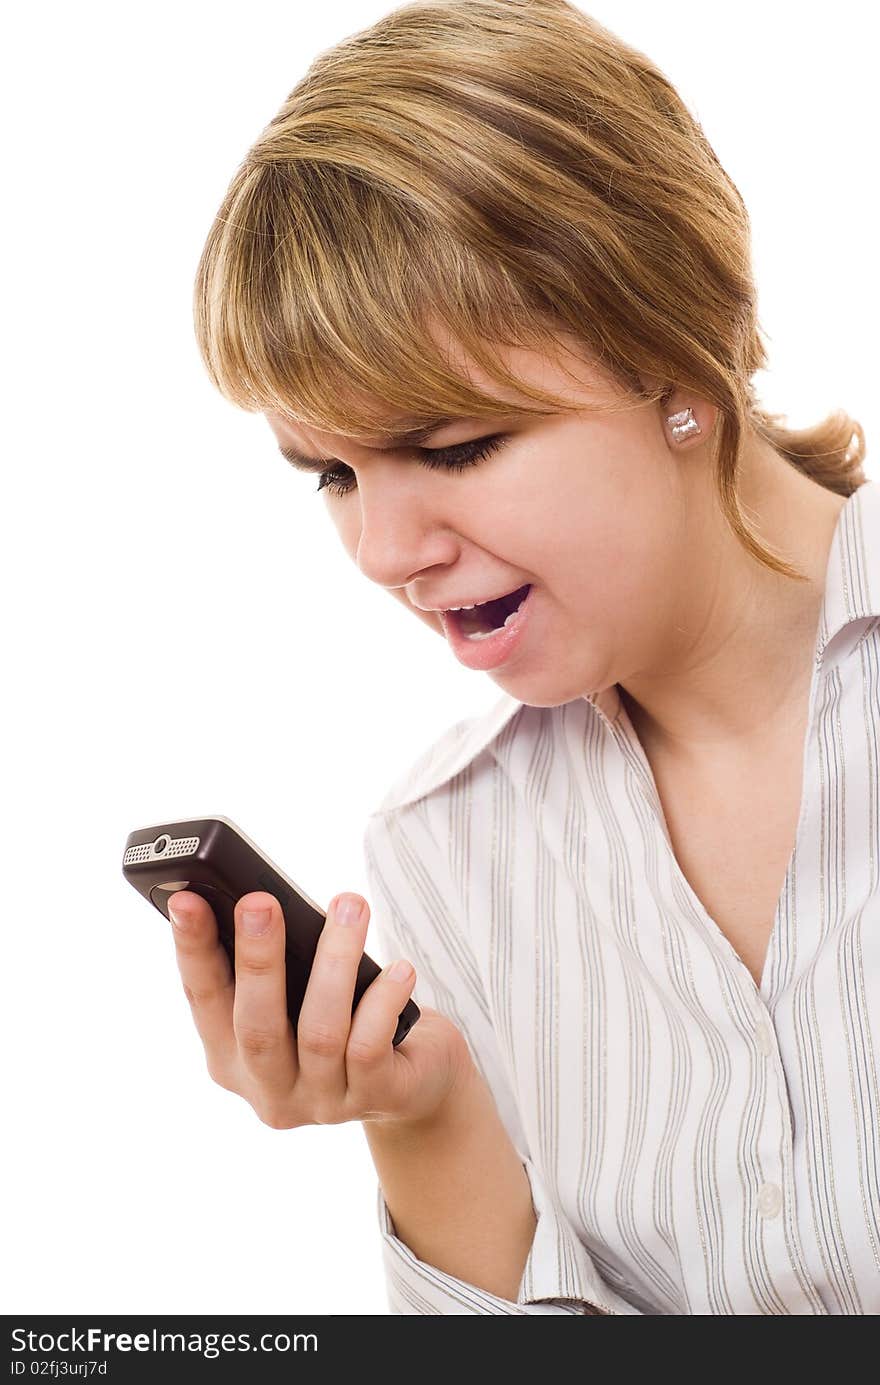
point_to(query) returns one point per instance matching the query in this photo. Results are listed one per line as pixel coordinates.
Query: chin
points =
(542, 690)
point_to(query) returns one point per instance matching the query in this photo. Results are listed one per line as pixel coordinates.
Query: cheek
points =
(609, 565)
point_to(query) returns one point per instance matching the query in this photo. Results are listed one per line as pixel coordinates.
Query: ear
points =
(687, 420)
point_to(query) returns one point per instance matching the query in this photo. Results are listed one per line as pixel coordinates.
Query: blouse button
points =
(769, 1199)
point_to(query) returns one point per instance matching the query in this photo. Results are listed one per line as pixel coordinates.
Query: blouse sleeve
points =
(414, 915)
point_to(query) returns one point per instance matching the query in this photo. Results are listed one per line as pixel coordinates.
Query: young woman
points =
(484, 276)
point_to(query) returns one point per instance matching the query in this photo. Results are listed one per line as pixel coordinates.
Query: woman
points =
(485, 277)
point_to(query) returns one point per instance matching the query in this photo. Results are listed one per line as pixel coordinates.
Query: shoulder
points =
(449, 754)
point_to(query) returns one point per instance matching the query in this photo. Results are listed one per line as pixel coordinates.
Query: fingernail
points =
(401, 971)
(348, 909)
(177, 918)
(255, 921)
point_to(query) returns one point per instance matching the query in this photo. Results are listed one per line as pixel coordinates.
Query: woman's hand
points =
(337, 1066)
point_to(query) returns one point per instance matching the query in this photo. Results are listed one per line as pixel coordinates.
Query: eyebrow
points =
(408, 438)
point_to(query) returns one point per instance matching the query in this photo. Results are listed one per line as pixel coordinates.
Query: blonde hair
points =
(511, 169)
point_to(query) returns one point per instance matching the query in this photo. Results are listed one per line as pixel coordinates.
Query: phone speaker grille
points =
(184, 846)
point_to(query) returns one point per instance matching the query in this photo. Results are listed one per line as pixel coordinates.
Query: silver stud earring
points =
(683, 424)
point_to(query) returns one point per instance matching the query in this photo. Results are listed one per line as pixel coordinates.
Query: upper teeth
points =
(464, 608)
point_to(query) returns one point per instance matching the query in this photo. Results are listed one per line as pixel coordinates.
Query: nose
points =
(401, 530)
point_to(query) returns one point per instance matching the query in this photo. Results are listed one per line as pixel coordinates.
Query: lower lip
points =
(494, 650)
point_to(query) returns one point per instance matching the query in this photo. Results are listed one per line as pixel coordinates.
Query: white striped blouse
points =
(694, 1143)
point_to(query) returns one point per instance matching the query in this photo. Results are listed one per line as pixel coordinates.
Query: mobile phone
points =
(213, 857)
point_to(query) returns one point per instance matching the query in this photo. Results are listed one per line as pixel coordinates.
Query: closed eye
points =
(339, 480)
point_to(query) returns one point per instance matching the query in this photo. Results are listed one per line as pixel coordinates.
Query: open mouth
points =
(491, 615)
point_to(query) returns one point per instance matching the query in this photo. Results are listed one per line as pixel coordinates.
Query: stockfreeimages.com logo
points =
(95, 1341)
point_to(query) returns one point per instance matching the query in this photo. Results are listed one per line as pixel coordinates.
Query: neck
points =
(739, 661)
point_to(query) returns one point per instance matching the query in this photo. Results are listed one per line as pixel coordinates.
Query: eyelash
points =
(434, 458)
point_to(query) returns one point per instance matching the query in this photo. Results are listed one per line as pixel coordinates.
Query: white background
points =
(184, 636)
